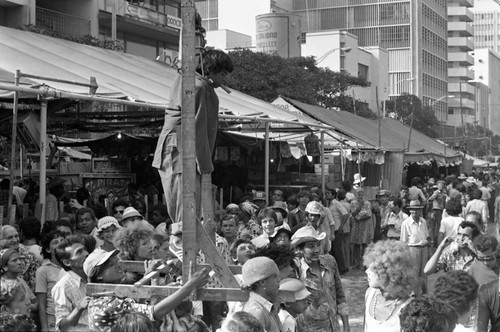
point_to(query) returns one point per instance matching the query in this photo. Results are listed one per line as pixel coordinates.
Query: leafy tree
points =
(406, 106)
(266, 77)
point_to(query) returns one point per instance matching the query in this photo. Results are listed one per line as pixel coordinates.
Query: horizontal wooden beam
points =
(203, 294)
(138, 267)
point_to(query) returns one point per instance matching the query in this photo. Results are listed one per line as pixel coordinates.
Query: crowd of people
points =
(300, 243)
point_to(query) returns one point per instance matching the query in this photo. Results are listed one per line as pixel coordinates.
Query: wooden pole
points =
(43, 160)
(188, 143)
(13, 147)
(266, 163)
(322, 158)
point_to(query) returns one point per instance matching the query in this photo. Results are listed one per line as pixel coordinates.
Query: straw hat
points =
(471, 180)
(281, 206)
(415, 205)
(131, 212)
(358, 178)
(106, 222)
(314, 208)
(462, 176)
(384, 192)
(306, 234)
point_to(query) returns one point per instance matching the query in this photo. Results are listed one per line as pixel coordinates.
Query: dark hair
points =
(99, 210)
(282, 256)
(397, 201)
(62, 254)
(82, 194)
(292, 200)
(458, 289)
(476, 193)
(475, 229)
(278, 232)
(89, 242)
(82, 211)
(341, 194)
(30, 227)
(427, 314)
(234, 246)
(215, 61)
(304, 193)
(453, 207)
(415, 181)
(119, 202)
(162, 209)
(485, 242)
(134, 322)
(347, 185)
(45, 242)
(267, 212)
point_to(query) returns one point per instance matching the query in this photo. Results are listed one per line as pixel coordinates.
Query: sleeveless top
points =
(391, 324)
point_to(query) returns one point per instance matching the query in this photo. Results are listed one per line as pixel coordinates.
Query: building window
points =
(303, 37)
(363, 71)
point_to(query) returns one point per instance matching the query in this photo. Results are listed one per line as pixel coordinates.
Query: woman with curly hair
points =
(427, 314)
(134, 244)
(391, 280)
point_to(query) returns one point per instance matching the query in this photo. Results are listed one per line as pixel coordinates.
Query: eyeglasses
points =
(118, 211)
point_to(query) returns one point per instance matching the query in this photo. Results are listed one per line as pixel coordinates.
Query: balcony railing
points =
(62, 23)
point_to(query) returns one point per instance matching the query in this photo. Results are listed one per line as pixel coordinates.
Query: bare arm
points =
(72, 319)
(42, 313)
(430, 267)
(168, 304)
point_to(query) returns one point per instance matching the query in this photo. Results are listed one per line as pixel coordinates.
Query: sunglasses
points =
(486, 258)
(118, 211)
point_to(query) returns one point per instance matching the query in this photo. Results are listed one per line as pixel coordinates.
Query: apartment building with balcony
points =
(413, 32)
(145, 28)
(461, 104)
(487, 24)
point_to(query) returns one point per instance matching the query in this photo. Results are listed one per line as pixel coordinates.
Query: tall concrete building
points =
(487, 74)
(461, 107)
(414, 33)
(146, 28)
(487, 24)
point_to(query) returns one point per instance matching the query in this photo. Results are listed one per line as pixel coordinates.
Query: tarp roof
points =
(394, 134)
(118, 75)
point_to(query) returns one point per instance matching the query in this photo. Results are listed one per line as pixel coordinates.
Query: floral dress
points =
(361, 227)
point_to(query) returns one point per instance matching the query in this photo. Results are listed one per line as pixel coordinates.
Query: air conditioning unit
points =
(28, 131)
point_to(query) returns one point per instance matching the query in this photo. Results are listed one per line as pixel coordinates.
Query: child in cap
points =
(290, 310)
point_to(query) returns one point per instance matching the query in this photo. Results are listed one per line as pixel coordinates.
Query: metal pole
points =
(266, 163)
(461, 109)
(411, 125)
(13, 148)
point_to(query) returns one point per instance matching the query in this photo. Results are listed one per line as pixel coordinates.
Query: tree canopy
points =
(266, 77)
(405, 106)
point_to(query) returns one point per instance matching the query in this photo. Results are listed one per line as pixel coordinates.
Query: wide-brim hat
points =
(306, 234)
(471, 180)
(384, 192)
(358, 178)
(106, 222)
(296, 286)
(462, 176)
(415, 205)
(97, 258)
(280, 205)
(131, 212)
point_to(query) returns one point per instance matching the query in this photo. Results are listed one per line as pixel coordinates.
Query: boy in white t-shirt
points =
(290, 310)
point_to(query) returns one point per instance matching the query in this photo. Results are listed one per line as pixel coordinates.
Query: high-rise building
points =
(487, 24)
(146, 28)
(414, 33)
(487, 74)
(461, 105)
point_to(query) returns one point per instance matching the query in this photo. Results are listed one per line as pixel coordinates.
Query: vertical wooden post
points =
(43, 160)
(188, 143)
(13, 146)
(322, 162)
(266, 164)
